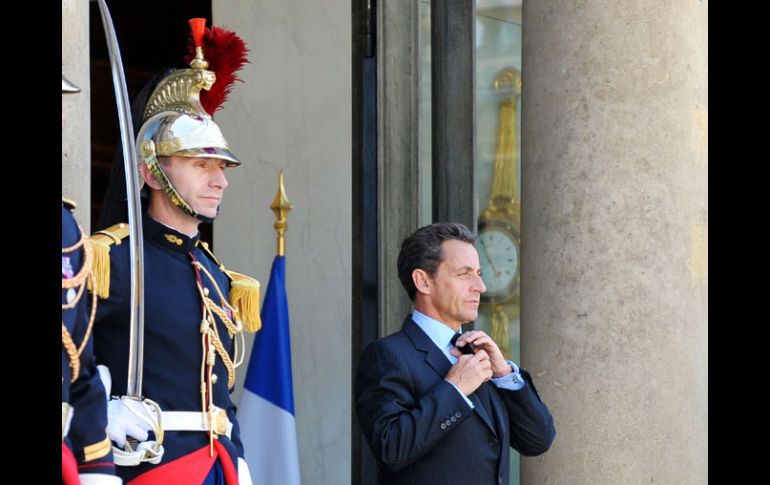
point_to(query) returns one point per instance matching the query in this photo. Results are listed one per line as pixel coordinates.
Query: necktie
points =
(465, 349)
(482, 393)
(454, 338)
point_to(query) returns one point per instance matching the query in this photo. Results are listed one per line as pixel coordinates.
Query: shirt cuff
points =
(512, 381)
(463, 395)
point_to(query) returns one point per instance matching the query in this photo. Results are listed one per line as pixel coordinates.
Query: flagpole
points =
(267, 401)
(281, 207)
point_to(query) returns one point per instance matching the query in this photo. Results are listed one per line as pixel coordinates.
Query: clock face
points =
(499, 258)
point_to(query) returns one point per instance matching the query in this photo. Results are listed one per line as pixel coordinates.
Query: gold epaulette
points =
(101, 242)
(244, 294)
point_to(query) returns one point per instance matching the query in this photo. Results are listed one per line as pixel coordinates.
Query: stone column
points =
(76, 110)
(615, 237)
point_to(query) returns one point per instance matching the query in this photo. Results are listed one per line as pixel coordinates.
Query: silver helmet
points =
(176, 124)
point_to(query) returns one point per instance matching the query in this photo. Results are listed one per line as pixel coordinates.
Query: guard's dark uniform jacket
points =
(173, 347)
(82, 397)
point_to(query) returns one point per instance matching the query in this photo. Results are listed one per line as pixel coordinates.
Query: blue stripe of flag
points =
(269, 371)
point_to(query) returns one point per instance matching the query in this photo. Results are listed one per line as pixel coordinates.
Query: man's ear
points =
(422, 281)
(147, 176)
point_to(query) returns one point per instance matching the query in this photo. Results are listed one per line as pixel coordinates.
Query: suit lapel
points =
(434, 356)
(498, 409)
(485, 407)
(436, 359)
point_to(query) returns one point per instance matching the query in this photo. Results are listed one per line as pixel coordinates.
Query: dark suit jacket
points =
(422, 431)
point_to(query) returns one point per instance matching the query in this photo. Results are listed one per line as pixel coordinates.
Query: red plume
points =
(226, 55)
(197, 27)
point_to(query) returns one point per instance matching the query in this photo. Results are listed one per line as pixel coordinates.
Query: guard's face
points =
(456, 288)
(200, 181)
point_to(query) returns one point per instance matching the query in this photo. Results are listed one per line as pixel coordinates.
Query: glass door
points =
(498, 173)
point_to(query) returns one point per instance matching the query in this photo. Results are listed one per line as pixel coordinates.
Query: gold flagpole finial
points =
(281, 208)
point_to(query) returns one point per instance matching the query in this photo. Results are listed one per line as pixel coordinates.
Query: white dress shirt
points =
(441, 335)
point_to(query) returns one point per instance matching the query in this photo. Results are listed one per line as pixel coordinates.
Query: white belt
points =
(197, 421)
(149, 451)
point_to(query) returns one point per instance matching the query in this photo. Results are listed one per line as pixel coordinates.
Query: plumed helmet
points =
(175, 122)
(173, 115)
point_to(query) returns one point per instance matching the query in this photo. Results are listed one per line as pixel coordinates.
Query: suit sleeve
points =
(88, 431)
(400, 426)
(531, 423)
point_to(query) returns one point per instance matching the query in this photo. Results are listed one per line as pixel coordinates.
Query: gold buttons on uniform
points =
(173, 239)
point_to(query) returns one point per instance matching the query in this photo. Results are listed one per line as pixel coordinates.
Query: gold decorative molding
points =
(503, 212)
(505, 188)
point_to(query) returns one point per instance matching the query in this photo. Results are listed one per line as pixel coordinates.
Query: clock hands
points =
(489, 258)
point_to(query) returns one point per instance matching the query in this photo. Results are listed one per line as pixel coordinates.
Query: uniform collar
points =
(168, 237)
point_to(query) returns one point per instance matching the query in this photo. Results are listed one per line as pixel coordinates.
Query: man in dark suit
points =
(434, 414)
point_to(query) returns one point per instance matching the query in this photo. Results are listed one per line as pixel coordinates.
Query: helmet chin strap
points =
(203, 218)
(151, 161)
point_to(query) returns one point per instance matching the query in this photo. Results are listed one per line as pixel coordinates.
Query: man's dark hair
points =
(422, 250)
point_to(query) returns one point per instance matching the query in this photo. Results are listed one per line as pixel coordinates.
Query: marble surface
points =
(293, 113)
(76, 110)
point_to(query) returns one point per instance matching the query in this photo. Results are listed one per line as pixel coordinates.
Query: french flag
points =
(266, 411)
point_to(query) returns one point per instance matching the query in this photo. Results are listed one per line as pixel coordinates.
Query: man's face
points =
(456, 287)
(200, 181)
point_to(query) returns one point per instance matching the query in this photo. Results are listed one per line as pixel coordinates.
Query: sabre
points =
(136, 246)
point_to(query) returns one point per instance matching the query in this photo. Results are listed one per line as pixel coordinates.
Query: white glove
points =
(129, 417)
(99, 479)
(106, 378)
(244, 476)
